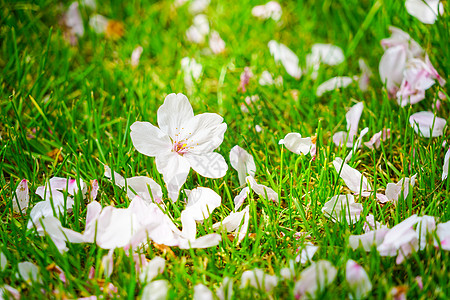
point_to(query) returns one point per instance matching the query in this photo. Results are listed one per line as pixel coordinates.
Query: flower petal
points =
(211, 165)
(354, 180)
(262, 190)
(426, 11)
(391, 67)
(315, 277)
(174, 113)
(295, 143)
(175, 169)
(149, 140)
(358, 280)
(21, 198)
(243, 162)
(203, 133)
(333, 84)
(425, 122)
(445, 166)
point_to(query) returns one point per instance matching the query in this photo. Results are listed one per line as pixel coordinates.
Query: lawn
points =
(120, 176)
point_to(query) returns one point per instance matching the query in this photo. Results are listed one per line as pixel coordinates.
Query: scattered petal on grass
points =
(266, 78)
(262, 190)
(295, 143)
(357, 279)
(225, 290)
(233, 222)
(152, 269)
(259, 280)
(306, 253)
(391, 67)
(323, 53)
(342, 207)
(394, 190)
(216, 44)
(136, 55)
(314, 278)
(427, 124)
(21, 198)
(375, 140)
(108, 263)
(144, 187)
(198, 6)
(271, 9)
(289, 60)
(55, 203)
(443, 234)
(201, 202)
(400, 38)
(352, 117)
(9, 291)
(245, 80)
(156, 290)
(240, 198)
(401, 239)
(192, 71)
(243, 163)
(333, 84)
(368, 239)
(199, 29)
(354, 180)
(3, 261)
(426, 11)
(446, 164)
(418, 76)
(364, 78)
(425, 227)
(29, 272)
(202, 292)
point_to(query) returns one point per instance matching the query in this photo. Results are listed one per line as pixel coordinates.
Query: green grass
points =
(82, 100)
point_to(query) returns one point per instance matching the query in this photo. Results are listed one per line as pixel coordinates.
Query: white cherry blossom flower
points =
(182, 141)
